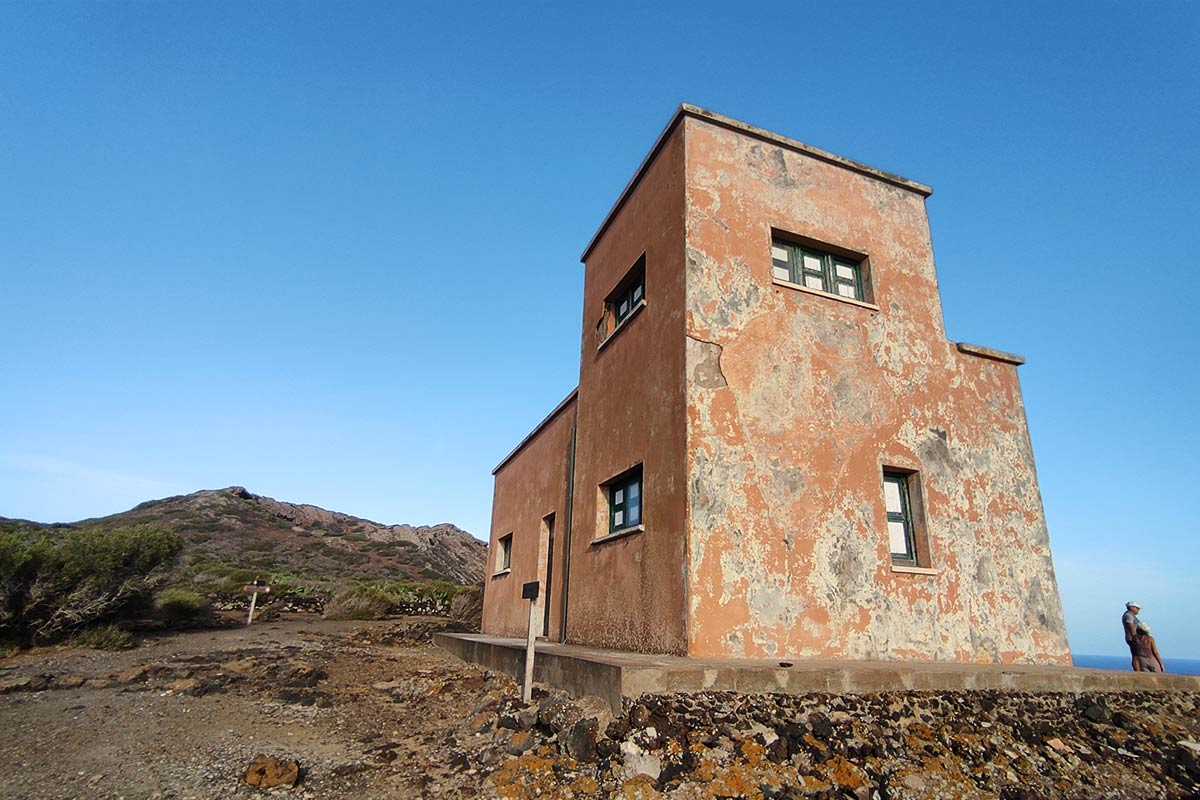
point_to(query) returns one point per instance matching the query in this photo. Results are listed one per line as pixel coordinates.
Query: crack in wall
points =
(707, 373)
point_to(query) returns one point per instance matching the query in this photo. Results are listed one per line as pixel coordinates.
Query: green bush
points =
(346, 556)
(53, 582)
(359, 602)
(259, 545)
(177, 606)
(213, 577)
(103, 637)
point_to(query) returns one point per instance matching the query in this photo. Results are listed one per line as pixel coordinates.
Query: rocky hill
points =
(236, 528)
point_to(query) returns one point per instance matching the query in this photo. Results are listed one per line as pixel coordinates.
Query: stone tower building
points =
(773, 450)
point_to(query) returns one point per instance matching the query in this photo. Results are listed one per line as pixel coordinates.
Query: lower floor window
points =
(901, 534)
(625, 501)
(505, 553)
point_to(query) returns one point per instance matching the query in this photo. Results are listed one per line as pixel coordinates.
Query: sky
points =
(329, 251)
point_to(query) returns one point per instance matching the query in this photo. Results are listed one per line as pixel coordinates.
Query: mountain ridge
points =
(236, 527)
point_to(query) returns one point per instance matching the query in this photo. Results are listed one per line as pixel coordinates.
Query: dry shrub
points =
(466, 609)
(359, 602)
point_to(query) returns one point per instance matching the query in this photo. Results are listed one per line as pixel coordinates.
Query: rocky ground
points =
(372, 709)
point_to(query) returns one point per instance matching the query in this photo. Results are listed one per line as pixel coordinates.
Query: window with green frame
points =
(625, 501)
(815, 269)
(901, 535)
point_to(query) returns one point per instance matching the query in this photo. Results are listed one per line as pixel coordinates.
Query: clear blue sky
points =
(329, 251)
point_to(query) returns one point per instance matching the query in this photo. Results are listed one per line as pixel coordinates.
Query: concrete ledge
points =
(988, 352)
(616, 677)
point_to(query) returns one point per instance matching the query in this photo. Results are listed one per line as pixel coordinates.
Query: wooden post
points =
(529, 591)
(253, 589)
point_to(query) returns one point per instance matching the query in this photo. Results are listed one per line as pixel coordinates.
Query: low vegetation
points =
(183, 562)
(466, 608)
(54, 583)
(359, 602)
(177, 606)
(103, 637)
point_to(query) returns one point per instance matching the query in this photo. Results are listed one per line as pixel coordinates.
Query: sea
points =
(1178, 666)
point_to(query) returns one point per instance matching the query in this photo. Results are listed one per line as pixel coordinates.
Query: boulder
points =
(636, 761)
(579, 741)
(267, 772)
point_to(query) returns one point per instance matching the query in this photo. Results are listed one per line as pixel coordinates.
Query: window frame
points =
(630, 291)
(628, 484)
(631, 296)
(911, 557)
(505, 555)
(830, 259)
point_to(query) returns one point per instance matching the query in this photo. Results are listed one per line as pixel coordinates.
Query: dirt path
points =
(183, 715)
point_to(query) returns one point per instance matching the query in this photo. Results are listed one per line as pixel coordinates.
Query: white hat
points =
(1143, 627)
(1132, 604)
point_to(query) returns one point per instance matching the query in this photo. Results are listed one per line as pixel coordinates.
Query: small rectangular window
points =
(904, 534)
(813, 268)
(505, 556)
(625, 501)
(629, 298)
(624, 300)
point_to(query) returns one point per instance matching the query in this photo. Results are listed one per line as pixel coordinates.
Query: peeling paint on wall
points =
(788, 543)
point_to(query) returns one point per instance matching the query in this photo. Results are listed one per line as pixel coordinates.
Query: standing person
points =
(1130, 621)
(1145, 651)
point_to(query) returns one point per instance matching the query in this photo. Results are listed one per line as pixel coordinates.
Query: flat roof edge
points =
(688, 110)
(988, 352)
(558, 409)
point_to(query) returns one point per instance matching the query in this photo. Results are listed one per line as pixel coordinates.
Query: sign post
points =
(253, 589)
(529, 591)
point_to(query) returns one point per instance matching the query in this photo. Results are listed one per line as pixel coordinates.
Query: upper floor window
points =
(628, 299)
(815, 269)
(623, 301)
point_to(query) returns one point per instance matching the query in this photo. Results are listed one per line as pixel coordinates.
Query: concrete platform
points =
(616, 676)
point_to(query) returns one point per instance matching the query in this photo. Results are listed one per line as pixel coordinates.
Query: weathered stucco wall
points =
(628, 593)
(530, 485)
(796, 402)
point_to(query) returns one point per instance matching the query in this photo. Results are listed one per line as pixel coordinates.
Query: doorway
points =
(548, 578)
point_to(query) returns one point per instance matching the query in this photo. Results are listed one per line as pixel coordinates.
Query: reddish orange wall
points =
(628, 593)
(529, 486)
(797, 401)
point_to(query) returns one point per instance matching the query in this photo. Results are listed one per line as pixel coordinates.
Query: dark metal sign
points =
(529, 591)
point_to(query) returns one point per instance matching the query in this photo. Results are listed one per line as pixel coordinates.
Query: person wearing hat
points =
(1145, 651)
(1130, 621)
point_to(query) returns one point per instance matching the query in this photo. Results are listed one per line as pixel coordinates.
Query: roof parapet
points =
(688, 110)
